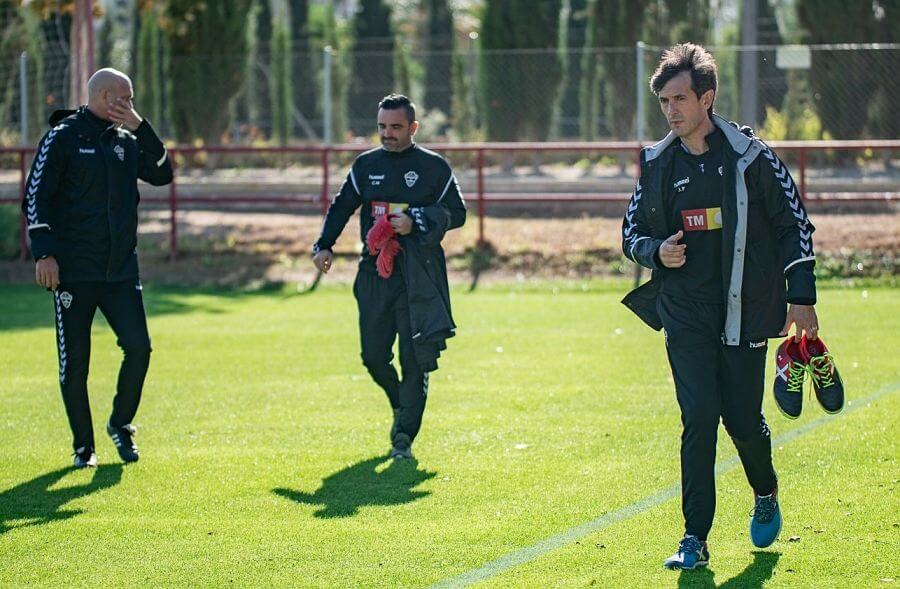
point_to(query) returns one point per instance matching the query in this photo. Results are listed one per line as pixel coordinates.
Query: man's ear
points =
(413, 127)
(707, 99)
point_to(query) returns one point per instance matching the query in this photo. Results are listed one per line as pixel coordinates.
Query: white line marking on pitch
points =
(542, 547)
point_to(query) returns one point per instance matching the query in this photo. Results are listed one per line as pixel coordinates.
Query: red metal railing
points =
(479, 195)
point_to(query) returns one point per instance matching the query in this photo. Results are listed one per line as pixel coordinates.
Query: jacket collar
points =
(738, 141)
(96, 122)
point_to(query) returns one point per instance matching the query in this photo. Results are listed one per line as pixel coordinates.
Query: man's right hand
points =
(46, 272)
(671, 253)
(322, 260)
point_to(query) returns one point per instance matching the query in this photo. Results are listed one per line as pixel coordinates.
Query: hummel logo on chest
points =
(87, 150)
(680, 185)
(376, 179)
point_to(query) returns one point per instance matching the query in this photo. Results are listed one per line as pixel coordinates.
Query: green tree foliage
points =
(105, 42)
(19, 32)
(463, 122)
(611, 24)
(677, 21)
(689, 20)
(572, 29)
(854, 92)
(439, 56)
(148, 76)
(327, 31)
(304, 60)
(208, 42)
(772, 80)
(373, 63)
(403, 70)
(55, 29)
(280, 83)
(259, 102)
(519, 87)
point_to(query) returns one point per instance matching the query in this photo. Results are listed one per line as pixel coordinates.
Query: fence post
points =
(173, 207)
(326, 96)
(479, 164)
(23, 225)
(23, 98)
(324, 196)
(803, 173)
(749, 66)
(639, 86)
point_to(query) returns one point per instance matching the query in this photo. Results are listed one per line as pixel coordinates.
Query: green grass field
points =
(264, 452)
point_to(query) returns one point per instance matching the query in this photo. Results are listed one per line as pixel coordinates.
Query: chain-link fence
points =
(785, 92)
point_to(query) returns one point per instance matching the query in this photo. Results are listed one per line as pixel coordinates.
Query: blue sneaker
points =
(765, 525)
(692, 553)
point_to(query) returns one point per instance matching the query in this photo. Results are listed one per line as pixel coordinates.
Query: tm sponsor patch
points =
(702, 219)
(380, 208)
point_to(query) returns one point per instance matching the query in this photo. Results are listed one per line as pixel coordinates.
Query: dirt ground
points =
(252, 248)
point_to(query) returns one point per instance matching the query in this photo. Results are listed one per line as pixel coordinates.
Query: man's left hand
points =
(122, 113)
(402, 223)
(804, 317)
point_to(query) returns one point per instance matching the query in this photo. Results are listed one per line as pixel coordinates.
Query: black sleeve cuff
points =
(801, 285)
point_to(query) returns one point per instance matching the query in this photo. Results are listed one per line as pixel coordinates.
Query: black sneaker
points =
(790, 374)
(121, 437)
(402, 447)
(85, 458)
(824, 374)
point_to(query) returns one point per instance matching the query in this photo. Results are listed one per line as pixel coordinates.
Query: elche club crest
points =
(120, 151)
(65, 298)
(410, 178)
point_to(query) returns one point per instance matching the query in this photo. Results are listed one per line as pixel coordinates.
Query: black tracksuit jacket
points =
(81, 197)
(767, 248)
(421, 183)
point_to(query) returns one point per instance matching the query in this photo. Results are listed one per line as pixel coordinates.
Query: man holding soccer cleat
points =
(718, 220)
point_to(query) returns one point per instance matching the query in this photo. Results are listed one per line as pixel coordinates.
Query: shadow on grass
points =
(362, 484)
(34, 503)
(754, 576)
(29, 307)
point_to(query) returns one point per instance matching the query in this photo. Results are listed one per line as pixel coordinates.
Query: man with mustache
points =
(718, 219)
(407, 297)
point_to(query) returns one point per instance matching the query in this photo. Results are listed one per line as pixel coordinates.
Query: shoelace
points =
(795, 381)
(764, 510)
(821, 370)
(690, 545)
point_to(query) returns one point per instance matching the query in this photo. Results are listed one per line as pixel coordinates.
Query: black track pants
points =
(712, 382)
(383, 317)
(122, 305)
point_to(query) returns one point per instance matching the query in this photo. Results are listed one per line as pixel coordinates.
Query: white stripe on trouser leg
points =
(60, 338)
(425, 386)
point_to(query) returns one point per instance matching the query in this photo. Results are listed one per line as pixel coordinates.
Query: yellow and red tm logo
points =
(380, 207)
(702, 219)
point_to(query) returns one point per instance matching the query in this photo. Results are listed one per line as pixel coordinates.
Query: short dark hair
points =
(687, 57)
(395, 101)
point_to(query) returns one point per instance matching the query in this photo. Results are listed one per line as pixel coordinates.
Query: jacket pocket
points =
(758, 273)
